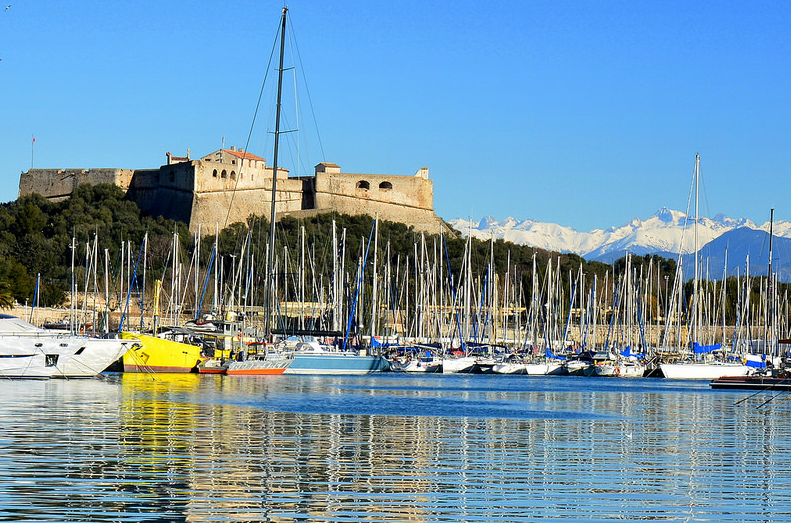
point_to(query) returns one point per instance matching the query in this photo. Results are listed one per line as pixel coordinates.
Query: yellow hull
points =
(160, 355)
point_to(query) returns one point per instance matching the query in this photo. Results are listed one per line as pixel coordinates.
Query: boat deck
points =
(768, 383)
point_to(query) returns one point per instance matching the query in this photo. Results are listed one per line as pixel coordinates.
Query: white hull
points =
(544, 369)
(509, 368)
(579, 368)
(605, 370)
(632, 371)
(452, 365)
(434, 365)
(703, 371)
(620, 370)
(29, 352)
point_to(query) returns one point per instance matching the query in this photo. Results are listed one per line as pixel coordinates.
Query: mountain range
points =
(666, 233)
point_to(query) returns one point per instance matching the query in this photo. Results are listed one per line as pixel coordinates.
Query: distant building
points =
(229, 185)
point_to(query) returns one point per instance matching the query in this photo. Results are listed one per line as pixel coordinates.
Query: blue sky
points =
(586, 114)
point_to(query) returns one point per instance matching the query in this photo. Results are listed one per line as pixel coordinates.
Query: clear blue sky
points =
(586, 114)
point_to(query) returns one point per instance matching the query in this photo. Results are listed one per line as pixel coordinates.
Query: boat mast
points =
(770, 343)
(694, 307)
(270, 264)
(374, 310)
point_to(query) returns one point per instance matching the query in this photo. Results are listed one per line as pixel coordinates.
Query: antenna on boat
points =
(270, 262)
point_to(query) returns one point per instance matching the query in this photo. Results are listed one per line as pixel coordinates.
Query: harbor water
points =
(391, 447)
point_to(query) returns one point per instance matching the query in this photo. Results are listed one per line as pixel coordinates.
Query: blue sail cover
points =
(550, 355)
(701, 349)
(627, 353)
(378, 344)
(757, 361)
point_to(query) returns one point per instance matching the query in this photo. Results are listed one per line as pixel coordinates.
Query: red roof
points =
(245, 155)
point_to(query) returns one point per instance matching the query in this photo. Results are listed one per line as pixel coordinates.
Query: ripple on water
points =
(387, 448)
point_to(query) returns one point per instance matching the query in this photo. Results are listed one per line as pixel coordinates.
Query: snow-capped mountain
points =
(666, 233)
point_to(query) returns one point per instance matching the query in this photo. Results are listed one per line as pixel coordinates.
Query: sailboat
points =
(309, 356)
(268, 362)
(704, 365)
(549, 363)
(771, 375)
(160, 352)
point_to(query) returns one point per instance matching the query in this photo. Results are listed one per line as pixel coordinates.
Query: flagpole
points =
(32, 143)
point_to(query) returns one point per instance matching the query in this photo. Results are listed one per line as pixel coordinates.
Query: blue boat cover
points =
(700, 349)
(550, 355)
(755, 360)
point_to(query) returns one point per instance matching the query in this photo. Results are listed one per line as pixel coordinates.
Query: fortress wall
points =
(421, 219)
(166, 191)
(143, 190)
(194, 191)
(144, 179)
(58, 184)
(178, 176)
(212, 207)
(166, 202)
(349, 193)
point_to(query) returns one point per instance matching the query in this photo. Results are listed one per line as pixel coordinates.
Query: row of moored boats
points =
(28, 351)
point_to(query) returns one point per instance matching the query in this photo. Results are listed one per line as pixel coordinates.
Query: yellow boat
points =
(157, 354)
(160, 355)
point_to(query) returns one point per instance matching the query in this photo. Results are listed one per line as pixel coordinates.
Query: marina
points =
(297, 294)
(250, 332)
(389, 447)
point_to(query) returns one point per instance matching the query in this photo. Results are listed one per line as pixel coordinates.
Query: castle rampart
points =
(58, 184)
(229, 185)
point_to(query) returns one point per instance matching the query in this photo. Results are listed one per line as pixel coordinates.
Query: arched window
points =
(214, 174)
(362, 184)
(223, 174)
(233, 175)
(385, 186)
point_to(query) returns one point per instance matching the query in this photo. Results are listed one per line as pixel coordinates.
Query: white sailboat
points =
(510, 365)
(546, 368)
(705, 365)
(251, 363)
(696, 370)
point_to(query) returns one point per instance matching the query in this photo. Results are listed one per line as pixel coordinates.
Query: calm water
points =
(390, 447)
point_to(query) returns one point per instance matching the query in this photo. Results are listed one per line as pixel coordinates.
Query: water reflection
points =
(132, 447)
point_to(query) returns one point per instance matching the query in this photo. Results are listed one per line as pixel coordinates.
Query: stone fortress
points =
(229, 185)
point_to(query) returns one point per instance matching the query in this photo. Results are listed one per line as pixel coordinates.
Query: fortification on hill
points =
(229, 185)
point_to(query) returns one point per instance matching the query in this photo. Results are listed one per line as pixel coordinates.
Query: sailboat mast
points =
(335, 307)
(694, 308)
(770, 345)
(270, 264)
(374, 315)
(771, 233)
